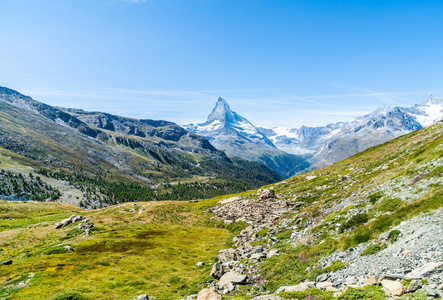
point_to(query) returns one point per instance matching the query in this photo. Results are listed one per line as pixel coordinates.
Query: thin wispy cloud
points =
(263, 107)
(127, 1)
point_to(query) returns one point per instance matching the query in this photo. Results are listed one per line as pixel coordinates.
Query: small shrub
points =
(361, 236)
(69, 296)
(284, 235)
(374, 197)
(373, 249)
(393, 235)
(105, 263)
(354, 221)
(263, 232)
(389, 204)
(335, 266)
(174, 279)
(371, 292)
(55, 250)
(311, 294)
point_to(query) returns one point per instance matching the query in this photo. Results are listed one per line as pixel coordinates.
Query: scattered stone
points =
(209, 294)
(272, 253)
(69, 248)
(393, 288)
(200, 263)
(266, 297)
(86, 227)
(257, 256)
(322, 277)
(6, 262)
(66, 222)
(300, 287)
(267, 194)
(229, 200)
(414, 285)
(324, 285)
(143, 297)
(227, 278)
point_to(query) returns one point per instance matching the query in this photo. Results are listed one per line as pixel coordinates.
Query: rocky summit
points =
(236, 136)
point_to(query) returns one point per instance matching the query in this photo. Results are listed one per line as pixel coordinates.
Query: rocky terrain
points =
(374, 225)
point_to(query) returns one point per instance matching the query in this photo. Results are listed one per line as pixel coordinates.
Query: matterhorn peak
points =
(222, 112)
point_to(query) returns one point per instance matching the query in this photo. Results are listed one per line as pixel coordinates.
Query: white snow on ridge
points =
(432, 113)
(288, 132)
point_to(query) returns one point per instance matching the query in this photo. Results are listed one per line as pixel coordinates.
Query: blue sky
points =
(277, 62)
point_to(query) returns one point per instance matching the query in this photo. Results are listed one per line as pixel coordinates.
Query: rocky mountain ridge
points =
(86, 148)
(323, 146)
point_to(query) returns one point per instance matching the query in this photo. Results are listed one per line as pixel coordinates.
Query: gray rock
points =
(426, 270)
(414, 285)
(217, 270)
(239, 279)
(322, 277)
(70, 220)
(6, 262)
(200, 263)
(69, 248)
(143, 297)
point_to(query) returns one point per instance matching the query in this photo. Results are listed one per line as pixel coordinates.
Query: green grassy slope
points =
(156, 252)
(128, 253)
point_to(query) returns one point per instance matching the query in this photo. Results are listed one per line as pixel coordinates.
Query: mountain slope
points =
(323, 146)
(86, 148)
(376, 215)
(236, 136)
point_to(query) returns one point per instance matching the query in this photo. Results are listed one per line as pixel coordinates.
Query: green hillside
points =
(153, 247)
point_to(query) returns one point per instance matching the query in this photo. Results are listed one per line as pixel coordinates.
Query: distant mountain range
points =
(312, 147)
(323, 146)
(96, 146)
(236, 136)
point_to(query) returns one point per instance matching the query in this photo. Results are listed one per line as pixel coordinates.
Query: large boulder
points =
(414, 285)
(209, 294)
(393, 288)
(217, 271)
(70, 220)
(267, 194)
(226, 255)
(227, 278)
(299, 287)
(426, 270)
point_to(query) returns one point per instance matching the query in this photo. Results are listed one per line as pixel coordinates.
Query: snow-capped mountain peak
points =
(432, 100)
(234, 134)
(222, 112)
(383, 110)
